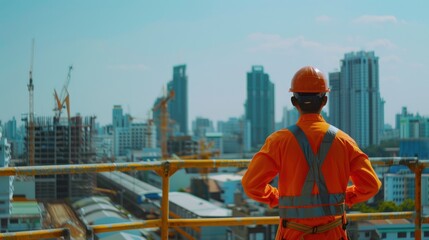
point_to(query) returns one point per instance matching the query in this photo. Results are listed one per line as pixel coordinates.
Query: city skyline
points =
(123, 54)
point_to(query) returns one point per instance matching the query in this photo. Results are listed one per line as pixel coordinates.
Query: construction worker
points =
(314, 162)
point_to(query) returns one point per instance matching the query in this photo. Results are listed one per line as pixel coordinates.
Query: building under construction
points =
(59, 142)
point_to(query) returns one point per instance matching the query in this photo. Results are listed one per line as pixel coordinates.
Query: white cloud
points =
(369, 19)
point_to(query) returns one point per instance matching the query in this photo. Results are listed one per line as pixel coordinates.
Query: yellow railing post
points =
(417, 168)
(165, 173)
(165, 208)
(418, 204)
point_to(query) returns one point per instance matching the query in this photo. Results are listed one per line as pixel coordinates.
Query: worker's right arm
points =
(261, 171)
(365, 181)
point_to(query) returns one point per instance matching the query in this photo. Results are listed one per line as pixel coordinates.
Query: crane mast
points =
(31, 111)
(162, 106)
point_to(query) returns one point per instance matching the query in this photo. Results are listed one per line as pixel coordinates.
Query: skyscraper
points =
(290, 116)
(355, 104)
(259, 105)
(178, 106)
(118, 119)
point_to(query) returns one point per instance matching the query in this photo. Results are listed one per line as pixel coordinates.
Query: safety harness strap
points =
(308, 205)
(311, 230)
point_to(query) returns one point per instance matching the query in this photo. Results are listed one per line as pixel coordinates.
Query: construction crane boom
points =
(162, 106)
(63, 100)
(205, 152)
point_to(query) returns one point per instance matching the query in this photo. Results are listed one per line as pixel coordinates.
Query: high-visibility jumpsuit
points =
(314, 194)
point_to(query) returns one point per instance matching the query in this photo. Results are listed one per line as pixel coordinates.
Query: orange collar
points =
(313, 117)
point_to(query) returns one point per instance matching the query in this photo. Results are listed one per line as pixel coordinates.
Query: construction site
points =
(165, 185)
(55, 140)
(74, 201)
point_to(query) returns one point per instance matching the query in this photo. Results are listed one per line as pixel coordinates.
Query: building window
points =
(383, 236)
(4, 222)
(426, 233)
(15, 221)
(402, 234)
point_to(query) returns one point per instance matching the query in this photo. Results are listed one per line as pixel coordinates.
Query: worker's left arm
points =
(261, 171)
(365, 181)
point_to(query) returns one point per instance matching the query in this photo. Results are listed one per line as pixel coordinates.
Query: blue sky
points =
(123, 52)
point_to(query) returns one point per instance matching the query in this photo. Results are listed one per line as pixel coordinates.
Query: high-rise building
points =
(178, 106)
(259, 106)
(15, 138)
(235, 135)
(118, 117)
(201, 126)
(6, 185)
(290, 117)
(63, 143)
(355, 105)
(128, 135)
(414, 135)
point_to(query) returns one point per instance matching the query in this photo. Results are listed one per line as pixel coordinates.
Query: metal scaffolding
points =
(168, 167)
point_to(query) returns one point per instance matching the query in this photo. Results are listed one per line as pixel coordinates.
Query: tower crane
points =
(31, 112)
(63, 101)
(205, 152)
(162, 107)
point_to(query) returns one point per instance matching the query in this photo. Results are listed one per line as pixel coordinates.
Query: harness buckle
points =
(345, 225)
(284, 223)
(314, 230)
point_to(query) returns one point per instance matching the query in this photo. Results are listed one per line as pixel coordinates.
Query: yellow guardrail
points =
(167, 168)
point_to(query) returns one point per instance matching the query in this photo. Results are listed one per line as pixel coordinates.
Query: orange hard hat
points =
(309, 80)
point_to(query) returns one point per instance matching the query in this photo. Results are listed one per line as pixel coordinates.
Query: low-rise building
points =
(25, 216)
(185, 205)
(385, 229)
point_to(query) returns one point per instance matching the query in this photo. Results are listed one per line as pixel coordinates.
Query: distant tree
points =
(385, 206)
(388, 206)
(363, 207)
(407, 205)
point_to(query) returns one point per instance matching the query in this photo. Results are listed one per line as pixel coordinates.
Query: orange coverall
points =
(282, 155)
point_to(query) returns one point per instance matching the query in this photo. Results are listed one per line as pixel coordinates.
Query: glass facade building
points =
(259, 106)
(355, 105)
(178, 106)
